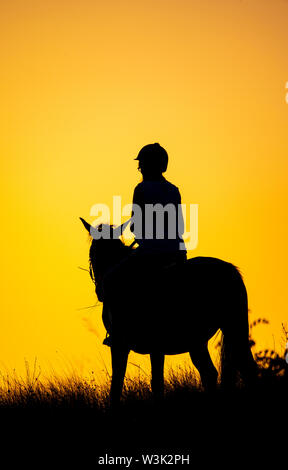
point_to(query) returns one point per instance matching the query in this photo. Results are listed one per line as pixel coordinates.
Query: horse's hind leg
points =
(201, 359)
(157, 374)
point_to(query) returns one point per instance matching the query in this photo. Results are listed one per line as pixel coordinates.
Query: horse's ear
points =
(117, 232)
(86, 225)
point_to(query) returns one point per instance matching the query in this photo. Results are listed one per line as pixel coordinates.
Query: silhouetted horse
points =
(170, 310)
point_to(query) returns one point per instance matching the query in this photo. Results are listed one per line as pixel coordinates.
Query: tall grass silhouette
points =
(70, 416)
(74, 391)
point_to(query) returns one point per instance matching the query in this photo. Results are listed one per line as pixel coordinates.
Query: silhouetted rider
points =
(162, 227)
(159, 235)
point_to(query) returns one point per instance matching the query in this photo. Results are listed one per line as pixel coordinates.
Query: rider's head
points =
(153, 160)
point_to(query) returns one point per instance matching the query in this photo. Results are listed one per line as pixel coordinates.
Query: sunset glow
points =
(84, 86)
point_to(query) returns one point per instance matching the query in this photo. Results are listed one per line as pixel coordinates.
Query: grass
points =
(77, 392)
(71, 416)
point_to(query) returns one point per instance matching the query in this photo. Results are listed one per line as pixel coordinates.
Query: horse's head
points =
(106, 248)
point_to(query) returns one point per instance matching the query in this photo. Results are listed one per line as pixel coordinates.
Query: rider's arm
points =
(180, 222)
(138, 199)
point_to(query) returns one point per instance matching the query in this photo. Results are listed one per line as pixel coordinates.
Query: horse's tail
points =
(236, 355)
(228, 369)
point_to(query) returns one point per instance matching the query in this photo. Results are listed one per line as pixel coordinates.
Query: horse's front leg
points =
(119, 356)
(157, 374)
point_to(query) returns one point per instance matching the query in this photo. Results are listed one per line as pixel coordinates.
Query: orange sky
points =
(84, 86)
